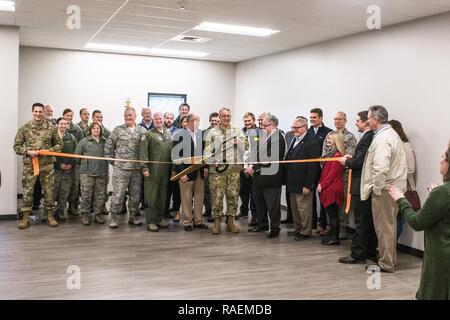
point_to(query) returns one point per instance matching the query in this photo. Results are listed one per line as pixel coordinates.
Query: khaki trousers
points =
(188, 190)
(385, 211)
(301, 206)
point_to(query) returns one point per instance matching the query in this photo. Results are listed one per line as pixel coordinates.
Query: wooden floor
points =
(133, 263)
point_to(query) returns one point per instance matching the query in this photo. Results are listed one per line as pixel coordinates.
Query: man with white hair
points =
(123, 143)
(301, 177)
(48, 114)
(384, 165)
(267, 178)
(156, 146)
(147, 121)
(261, 118)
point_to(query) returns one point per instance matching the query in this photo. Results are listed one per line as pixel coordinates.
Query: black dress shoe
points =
(350, 260)
(252, 224)
(272, 234)
(258, 229)
(377, 267)
(300, 237)
(286, 221)
(200, 226)
(188, 228)
(331, 242)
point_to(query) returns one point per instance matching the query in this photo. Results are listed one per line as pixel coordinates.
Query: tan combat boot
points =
(231, 227)
(216, 227)
(25, 223)
(51, 220)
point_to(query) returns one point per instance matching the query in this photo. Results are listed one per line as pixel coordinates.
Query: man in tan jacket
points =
(385, 164)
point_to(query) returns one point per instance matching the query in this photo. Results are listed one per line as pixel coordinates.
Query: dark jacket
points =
(288, 138)
(357, 162)
(321, 134)
(142, 124)
(90, 147)
(76, 132)
(182, 140)
(300, 175)
(261, 150)
(70, 143)
(177, 123)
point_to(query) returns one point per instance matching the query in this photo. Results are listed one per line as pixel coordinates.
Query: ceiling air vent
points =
(191, 39)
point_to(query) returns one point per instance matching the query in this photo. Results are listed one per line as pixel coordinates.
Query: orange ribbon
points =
(349, 195)
(192, 161)
(35, 162)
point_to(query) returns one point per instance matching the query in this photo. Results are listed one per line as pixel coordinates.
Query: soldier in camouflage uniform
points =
(156, 145)
(123, 143)
(224, 144)
(35, 135)
(76, 131)
(93, 174)
(97, 116)
(64, 168)
(84, 120)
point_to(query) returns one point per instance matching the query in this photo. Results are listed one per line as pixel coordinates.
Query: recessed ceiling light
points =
(228, 28)
(178, 53)
(114, 47)
(6, 5)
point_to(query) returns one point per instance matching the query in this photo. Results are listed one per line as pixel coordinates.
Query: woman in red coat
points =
(331, 186)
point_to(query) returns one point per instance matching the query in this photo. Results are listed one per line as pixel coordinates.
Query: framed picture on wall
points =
(165, 102)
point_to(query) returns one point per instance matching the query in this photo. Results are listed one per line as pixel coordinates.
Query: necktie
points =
(294, 140)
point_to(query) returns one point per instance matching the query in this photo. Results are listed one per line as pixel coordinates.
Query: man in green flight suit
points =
(156, 145)
(37, 134)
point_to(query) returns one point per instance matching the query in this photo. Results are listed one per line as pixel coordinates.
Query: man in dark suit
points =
(267, 178)
(320, 131)
(301, 177)
(288, 138)
(364, 242)
(189, 143)
(184, 110)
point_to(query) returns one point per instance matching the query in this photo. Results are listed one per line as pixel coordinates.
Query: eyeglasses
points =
(293, 128)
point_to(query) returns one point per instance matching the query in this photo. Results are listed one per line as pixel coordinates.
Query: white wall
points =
(102, 81)
(74, 79)
(405, 68)
(9, 83)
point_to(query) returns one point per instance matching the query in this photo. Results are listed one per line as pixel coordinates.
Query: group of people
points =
(224, 161)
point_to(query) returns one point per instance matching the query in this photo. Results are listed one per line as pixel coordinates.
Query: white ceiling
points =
(152, 23)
